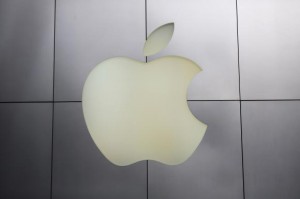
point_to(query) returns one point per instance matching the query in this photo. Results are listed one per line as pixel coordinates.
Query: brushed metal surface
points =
(271, 149)
(26, 50)
(79, 168)
(215, 169)
(205, 32)
(269, 49)
(25, 150)
(88, 32)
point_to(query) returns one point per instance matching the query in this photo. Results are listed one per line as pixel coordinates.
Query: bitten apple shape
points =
(138, 111)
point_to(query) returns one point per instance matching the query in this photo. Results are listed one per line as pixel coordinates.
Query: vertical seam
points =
(240, 98)
(53, 85)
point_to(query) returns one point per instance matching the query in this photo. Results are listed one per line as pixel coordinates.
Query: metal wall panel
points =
(88, 32)
(269, 49)
(215, 169)
(26, 50)
(81, 171)
(271, 149)
(25, 150)
(205, 32)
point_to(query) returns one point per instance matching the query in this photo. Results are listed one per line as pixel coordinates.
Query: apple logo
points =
(138, 111)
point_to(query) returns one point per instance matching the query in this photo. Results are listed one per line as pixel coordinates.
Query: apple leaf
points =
(158, 39)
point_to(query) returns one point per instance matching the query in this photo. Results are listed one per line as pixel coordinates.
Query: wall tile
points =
(205, 32)
(26, 50)
(215, 169)
(25, 150)
(88, 32)
(269, 49)
(271, 149)
(81, 171)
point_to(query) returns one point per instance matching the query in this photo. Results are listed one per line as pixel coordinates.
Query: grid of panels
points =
(63, 102)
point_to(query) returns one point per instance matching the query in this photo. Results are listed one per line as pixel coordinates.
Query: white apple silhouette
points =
(138, 111)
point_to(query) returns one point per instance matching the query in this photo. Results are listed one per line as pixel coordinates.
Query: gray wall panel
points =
(88, 32)
(269, 49)
(81, 171)
(271, 149)
(26, 50)
(205, 31)
(25, 150)
(215, 169)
